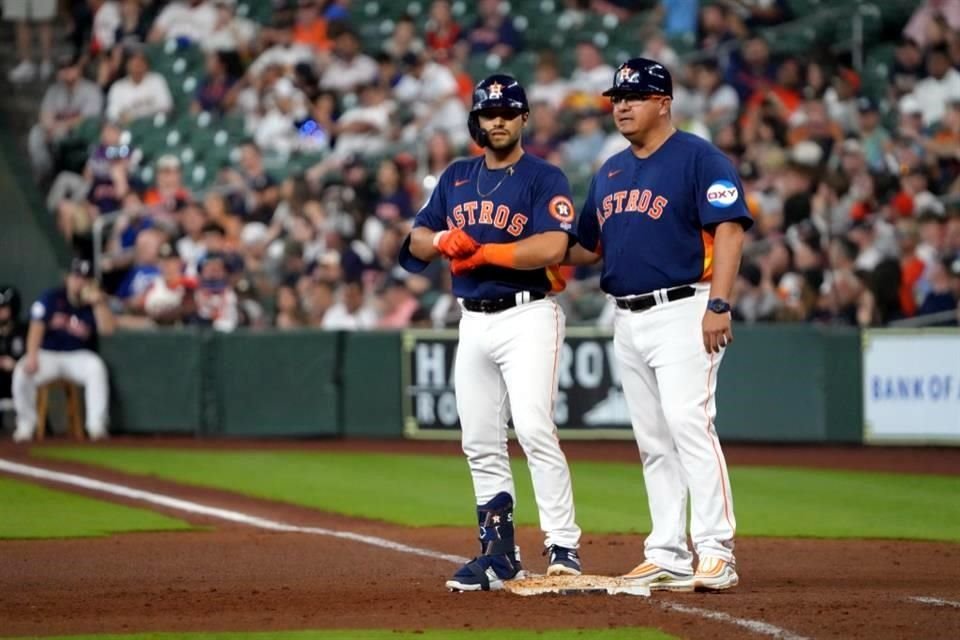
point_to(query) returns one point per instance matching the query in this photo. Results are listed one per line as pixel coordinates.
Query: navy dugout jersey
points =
(533, 199)
(68, 328)
(651, 219)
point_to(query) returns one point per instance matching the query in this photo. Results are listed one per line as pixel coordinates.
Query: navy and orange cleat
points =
(563, 561)
(487, 573)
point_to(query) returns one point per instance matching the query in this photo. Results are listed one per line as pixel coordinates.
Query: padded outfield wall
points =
(795, 383)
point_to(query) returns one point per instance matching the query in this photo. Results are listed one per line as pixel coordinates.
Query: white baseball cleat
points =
(715, 574)
(21, 435)
(660, 579)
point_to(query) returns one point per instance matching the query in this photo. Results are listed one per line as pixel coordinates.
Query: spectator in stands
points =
(592, 76)
(106, 181)
(144, 270)
(548, 86)
(290, 314)
(277, 130)
(107, 18)
(65, 324)
(907, 68)
(398, 304)
(118, 254)
(656, 47)
(585, 143)
(27, 14)
(230, 32)
(348, 68)
(941, 85)
(215, 93)
(216, 301)
(142, 93)
(351, 312)
(430, 91)
(256, 192)
(190, 20)
(442, 31)
(715, 101)
(115, 30)
(167, 195)
(13, 341)
(68, 102)
(942, 295)
(492, 32)
(310, 27)
(874, 135)
(544, 135)
(751, 69)
(365, 128)
(169, 297)
(337, 11)
(404, 40)
(713, 30)
(918, 27)
(317, 298)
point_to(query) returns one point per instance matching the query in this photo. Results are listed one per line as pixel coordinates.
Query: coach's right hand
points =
(31, 364)
(454, 243)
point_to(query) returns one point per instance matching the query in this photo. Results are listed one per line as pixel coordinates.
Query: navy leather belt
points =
(495, 305)
(648, 300)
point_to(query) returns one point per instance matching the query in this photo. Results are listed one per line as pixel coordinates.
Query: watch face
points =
(719, 306)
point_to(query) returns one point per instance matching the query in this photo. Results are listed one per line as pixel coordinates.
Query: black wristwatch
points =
(718, 305)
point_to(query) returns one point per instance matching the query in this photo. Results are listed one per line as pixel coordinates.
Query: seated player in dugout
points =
(504, 220)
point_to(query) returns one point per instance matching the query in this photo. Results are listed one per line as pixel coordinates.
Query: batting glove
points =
(455, 243)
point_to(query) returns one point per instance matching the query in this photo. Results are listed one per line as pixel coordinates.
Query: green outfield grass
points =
(359, 634)
(436, 490)
(29, 511)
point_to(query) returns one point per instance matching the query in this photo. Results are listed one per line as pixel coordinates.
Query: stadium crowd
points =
(855, 195)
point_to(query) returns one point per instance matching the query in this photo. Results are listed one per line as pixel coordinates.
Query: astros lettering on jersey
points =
(530, 197)
(642, 216)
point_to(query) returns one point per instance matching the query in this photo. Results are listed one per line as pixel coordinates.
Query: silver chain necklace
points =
(506, 174)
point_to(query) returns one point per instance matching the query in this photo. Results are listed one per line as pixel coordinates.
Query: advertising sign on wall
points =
(589, 402)
(911, 386)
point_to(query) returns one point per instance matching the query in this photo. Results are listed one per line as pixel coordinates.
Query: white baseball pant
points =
(507, 365)
(83, 367)
(670, 382)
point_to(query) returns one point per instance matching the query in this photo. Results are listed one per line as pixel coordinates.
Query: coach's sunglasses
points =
(632, 98)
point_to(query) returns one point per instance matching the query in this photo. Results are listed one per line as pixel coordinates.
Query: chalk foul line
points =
(756, 626)
(937, 602)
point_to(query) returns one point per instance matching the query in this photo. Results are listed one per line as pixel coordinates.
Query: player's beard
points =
(503, 145)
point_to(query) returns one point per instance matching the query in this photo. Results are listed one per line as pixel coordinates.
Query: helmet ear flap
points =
(476, 131)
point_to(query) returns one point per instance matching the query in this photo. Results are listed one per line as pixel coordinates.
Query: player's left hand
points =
(460, 266)
(717, 331)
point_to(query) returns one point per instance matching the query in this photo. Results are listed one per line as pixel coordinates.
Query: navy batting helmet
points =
(499, 91)
(641, 75)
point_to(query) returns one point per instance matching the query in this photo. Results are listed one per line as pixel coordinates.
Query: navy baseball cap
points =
(641, 75)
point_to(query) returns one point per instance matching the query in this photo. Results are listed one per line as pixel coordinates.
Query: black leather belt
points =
(647, 300)
(494, 305)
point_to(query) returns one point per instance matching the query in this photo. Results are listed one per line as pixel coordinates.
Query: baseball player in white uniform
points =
(667, 217)
(61, 343)
(505, 219)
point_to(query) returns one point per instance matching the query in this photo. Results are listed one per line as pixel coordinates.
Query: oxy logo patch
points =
(722, 194)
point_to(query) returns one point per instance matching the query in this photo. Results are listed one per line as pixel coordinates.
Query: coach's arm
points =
(578, 255)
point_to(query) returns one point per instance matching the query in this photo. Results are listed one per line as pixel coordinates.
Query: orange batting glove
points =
(501, 255)
(455, 243)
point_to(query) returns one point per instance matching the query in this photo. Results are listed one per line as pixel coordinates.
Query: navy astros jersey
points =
(647, 217)
(500, 206)
(68, 328)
